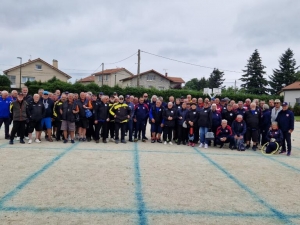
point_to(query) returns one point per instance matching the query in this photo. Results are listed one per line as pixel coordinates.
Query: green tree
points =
(192, 84)
(202, 84)
(254, 81)
(286, 74)
(215, 79)
(4, 81)
(297, 75)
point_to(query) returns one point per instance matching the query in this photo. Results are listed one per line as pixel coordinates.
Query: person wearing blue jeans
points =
(204, 123)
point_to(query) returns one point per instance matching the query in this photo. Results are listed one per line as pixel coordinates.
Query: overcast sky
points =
(83, 34)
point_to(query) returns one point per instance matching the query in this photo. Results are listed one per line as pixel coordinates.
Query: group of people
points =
(185, 120)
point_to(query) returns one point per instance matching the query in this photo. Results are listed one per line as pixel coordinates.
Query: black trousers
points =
(6, 122)
(110, 130)
(18, 126)
(182, 133)
(98, 126)
(167, 134)
(119, 126)
(90, 132)
(264, 137)
(287, 139)
(59, 132)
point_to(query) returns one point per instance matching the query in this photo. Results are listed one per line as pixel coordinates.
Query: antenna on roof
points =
(165, 70)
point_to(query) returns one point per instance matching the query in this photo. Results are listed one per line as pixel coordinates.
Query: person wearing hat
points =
(191, 119)
(47, 119)
(18, 110)
(121, 113)
(286, 122)
(277, 108)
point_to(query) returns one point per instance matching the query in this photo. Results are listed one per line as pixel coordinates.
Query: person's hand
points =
(74, 111)
(191, 123)
(153, 120)
(128, 116)
(241, 137)
(134, 120)
(115, 116)
(236, 137)
(180, 118)
(169, 118)
(224, 138)
(96, 121)
(107, 119)
(162, 125)
(290, 131)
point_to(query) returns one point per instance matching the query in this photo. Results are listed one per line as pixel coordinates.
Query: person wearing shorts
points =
(252, 119)
(156, 120)
(47, 120)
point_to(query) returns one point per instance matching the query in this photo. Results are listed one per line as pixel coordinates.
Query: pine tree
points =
(202, 84)
(286, 74)
(215, 79)
(254, 81)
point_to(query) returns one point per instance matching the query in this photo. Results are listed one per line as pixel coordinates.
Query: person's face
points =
(239, 119)
(63, 98)
(224, 124)
(177, 101)
(171, 99)
(94, 98)
(213, 107)
(274, 126)
(205, 105)
(261, 104)
(121, 100)
(193, 107)
(240, 104)
(57, 92)
(285, 107)
(20, 97)
(14, 94)
(277, 104)
(111, 99)
(217, 101)
(189, 97)
(248, 102)
(170, 106)
(4, 95)
(141, 100)
(116, 99)
(183, 105)
(154, 99)
(82, 96)
(200, 100)
(271, 103)
(75, 96)
(45, 96)
(188, 106)
(135, 101)
(229, 107)
(25, 91)
(131, 98)
(194, 100)
(158, 103)
(36, 98)
(70, 98)
(145, 96)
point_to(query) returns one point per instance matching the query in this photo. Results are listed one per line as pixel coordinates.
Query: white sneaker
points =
(18, 139)
(205, 146)
(170, 143)
(37, 140)
(27, 138)
(165, 143)
(30, 141)
(201, 145)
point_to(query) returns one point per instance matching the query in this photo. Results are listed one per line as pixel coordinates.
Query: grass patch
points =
(297, 118)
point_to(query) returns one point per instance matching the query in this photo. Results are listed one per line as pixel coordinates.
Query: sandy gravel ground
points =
(144, 183)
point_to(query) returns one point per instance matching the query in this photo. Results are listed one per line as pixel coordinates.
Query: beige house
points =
(111, 77)
(153, 79)
(291, 93)
(32, 70)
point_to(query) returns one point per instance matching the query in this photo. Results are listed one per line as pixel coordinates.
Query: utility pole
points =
(102, 72)
(138, 68)
(20, 72)
(234, 86)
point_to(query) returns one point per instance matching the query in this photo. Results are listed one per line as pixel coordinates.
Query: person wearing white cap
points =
(275, 110)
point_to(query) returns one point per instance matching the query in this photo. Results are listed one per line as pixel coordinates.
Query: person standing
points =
(47, 120)
(83, 104)
(191, 119)
(204, 124)
(181, 131)
(276, 109)
(129, 125)
(36, 112)
(156, 121)
(252, 119)
(141, 113)
(58, 116)
(19, 114)
(285, 120)
(169, 116)
(121, 113)
(265, 123)
(5, 102)
(101, 117)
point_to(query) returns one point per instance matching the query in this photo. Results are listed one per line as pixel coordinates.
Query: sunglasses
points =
(145, 96)
(121, 98)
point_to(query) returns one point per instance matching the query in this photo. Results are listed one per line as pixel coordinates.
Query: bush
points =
(296, 109)
(77, 87)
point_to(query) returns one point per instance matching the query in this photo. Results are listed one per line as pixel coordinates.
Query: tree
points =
(286, 74)
(202, 84)
(254, 81)
(195, 84)
(4, 81)
(215, 79)
(297, 75)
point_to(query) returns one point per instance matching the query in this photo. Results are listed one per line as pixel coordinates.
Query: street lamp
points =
(20, 71)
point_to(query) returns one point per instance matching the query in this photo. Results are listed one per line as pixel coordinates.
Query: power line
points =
(192, 64)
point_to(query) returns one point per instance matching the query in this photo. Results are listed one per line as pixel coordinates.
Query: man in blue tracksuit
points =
(285, 120)
(5, 112)
(141, 113)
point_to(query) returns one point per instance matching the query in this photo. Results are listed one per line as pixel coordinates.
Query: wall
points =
(290, 96)
(111, 78)
(46, 73)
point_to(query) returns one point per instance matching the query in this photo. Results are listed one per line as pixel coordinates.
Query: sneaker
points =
(72, 141)
(37, 140)
(80, 139)
(247, 146)
(11, 142)
(83, 139)
(29, 141)
(97, 141)
(130, 140)
(193, 144)
(188, 144)
(282, 152)
(135, 140)
(183, 143)
(221, 146)
(165, 143)
(201, 145)
(254, 147)
(88, 139)
(18, 139)
(170, 143)
(7, 137)
(50, 139)
(22, 141)
(123, 141)
(117, 141)
(104, 141)
(125, 134)
(65, 141)
(53, 135)
(205, 146)
(152, 141)
(231, 147)
(27, 138)
(144, 140)
(288, 153)
(178, 143)
(159, 141)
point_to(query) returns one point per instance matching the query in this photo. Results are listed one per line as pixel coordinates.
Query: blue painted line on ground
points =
(281, 216)
(33, 176)
(143, 220)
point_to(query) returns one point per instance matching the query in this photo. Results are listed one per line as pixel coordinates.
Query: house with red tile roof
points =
(110, 77)
(36, 69)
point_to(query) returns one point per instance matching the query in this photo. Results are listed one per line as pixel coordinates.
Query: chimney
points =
(166, 74)
(55, 63)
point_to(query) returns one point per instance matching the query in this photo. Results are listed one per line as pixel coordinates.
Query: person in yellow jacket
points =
(121, 113)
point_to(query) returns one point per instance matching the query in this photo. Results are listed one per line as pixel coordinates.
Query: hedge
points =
(54, 84)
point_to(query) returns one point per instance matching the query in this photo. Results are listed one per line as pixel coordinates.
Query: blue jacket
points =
(216, 119)
(240, 111)
(265, 122)
(141, 111)
(285, 120)
(131, 106)
(239, 128)
(4, 107)
(181, 113)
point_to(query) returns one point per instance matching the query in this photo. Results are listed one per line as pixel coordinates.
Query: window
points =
(150, 77)
(105, 77)
(38, 67)
(12, 79)
(25, 79)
